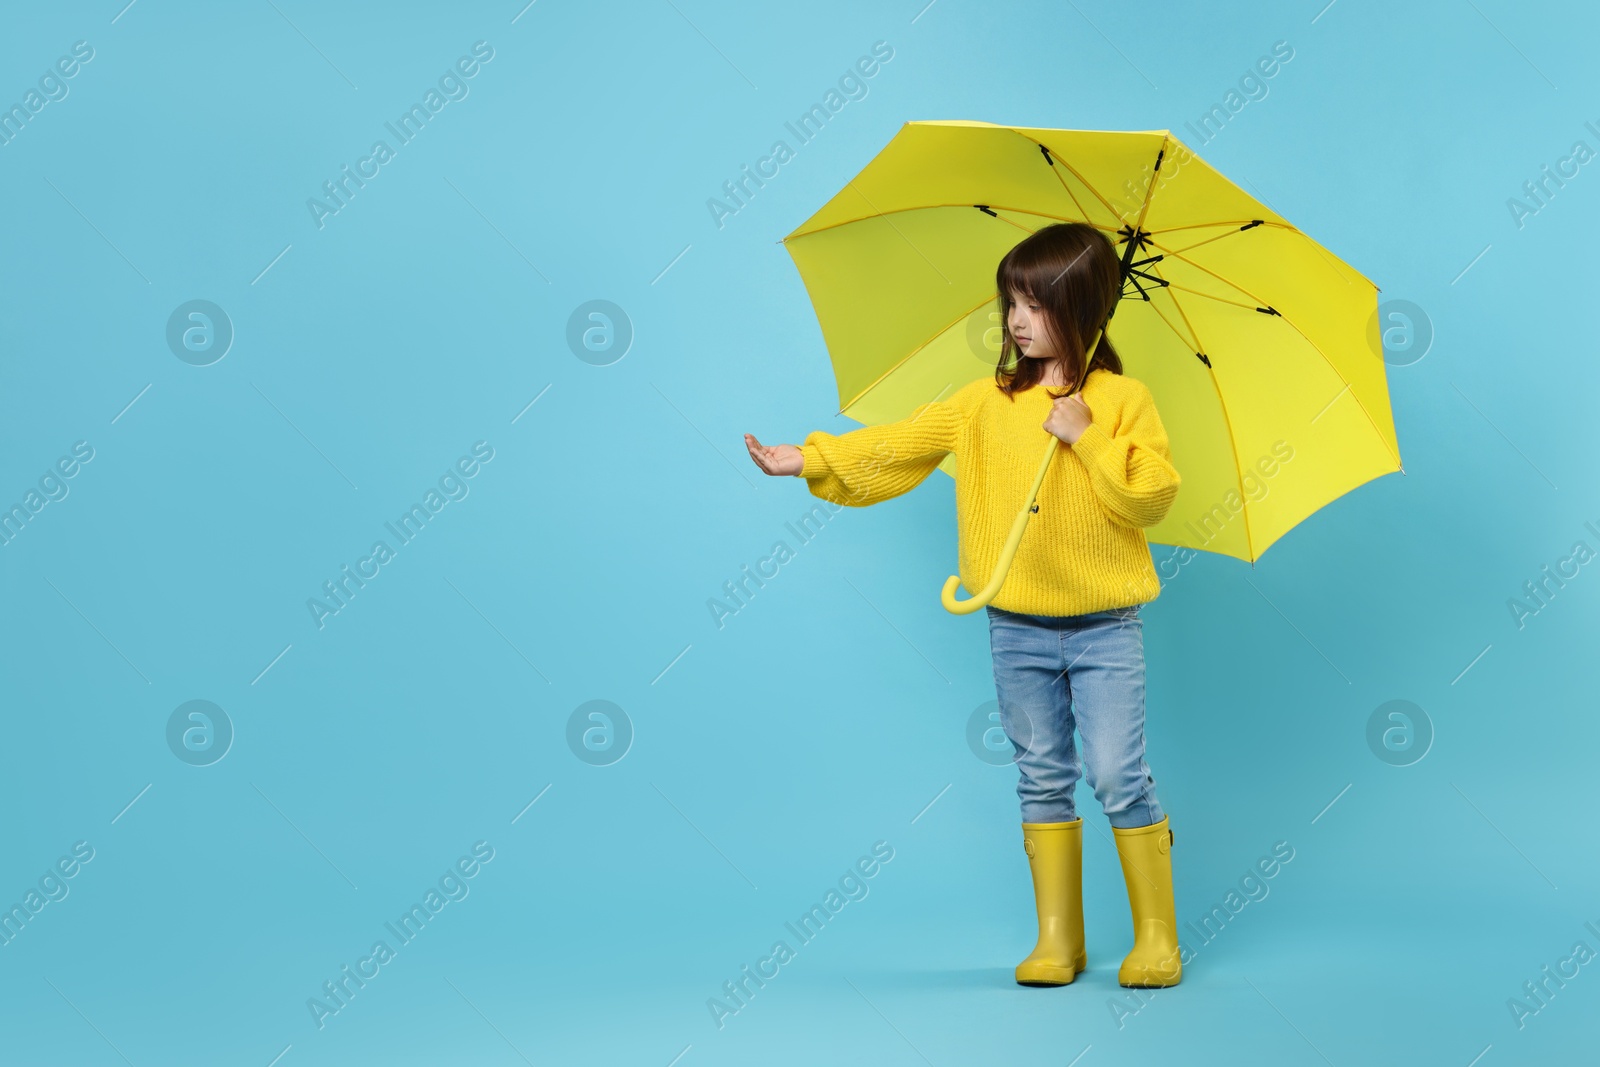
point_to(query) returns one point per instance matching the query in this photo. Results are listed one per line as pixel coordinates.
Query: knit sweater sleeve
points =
(876, 463)
(1131, 468)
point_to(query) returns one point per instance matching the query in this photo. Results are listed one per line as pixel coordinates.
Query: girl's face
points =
(1028, 326)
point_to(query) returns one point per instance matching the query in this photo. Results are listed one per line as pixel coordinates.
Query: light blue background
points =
(827, 715)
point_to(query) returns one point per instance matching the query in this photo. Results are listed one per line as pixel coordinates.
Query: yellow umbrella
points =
(1260, 347)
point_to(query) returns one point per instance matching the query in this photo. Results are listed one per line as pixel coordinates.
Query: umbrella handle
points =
(947, 597)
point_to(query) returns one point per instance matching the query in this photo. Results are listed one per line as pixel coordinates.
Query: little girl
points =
(1064, 630)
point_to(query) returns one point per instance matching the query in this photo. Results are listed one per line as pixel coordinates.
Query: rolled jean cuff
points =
(1146, 811)
(1047, 815)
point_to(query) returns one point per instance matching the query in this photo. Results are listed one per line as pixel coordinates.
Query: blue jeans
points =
(1052, 672)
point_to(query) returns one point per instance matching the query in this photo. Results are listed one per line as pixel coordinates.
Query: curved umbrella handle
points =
(947, 597)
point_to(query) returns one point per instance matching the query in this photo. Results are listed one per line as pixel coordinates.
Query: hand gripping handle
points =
(947, 596)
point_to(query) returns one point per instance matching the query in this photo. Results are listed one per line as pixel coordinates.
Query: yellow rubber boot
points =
(1146, 854)
(1055, 854)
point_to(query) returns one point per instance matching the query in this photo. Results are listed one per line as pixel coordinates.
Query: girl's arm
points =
(876, 463)
(1131, 471)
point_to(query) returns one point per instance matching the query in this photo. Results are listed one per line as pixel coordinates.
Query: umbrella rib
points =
(928, 207)
(1314, 347)
(1191, 342)
(1208, 240)
(1354, 395)
(1319, 249)
(1233, 442)
(1136, 234)
(1069, 191)
(1067, 188)
(1012, 222)
(1237, 223)
(1069, 168)
(1240, 226)
(1184, 259)
(1209, 296)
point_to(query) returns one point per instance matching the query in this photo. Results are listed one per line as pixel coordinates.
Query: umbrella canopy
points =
(1260, 347)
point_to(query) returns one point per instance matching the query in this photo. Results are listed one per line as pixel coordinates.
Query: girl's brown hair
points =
(1070, 269)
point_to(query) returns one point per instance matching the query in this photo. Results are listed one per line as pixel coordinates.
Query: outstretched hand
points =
(1068, 418)
(775, 459)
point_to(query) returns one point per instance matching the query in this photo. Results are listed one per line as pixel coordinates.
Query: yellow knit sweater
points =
(1084, 549)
